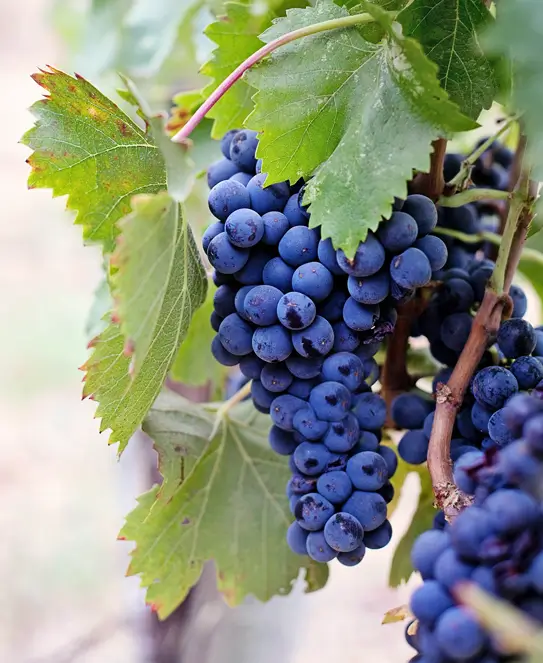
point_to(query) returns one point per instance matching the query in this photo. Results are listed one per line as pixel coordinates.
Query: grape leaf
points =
(101, 305)
(448, 32)
(401, 567)
(363, 115)
(87, 148)
(151, 29)
(194, 364)
(236, 36)
(159, 284)
(516, 34)
(230, 508)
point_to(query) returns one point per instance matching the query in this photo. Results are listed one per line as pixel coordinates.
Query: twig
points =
(432, 184)
(472, 195)
(224, 408)
(449, 399)
(333, 24)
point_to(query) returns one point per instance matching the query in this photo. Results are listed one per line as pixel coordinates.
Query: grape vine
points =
(358, 304)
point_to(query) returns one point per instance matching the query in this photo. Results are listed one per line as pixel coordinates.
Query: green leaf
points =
(194, 364)
(159, 284)
(236, 36)
(151, 30)
(363, 115)
(531, 266)
(100, 307)
(230, 508)
(87, 148)
(448, 32)
(516, 35)
(401, 568)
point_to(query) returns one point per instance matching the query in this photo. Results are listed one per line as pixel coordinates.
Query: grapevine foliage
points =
(358, 107)
(229, 488)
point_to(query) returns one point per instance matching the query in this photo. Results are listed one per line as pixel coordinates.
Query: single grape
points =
(261, 396)
(304, 368)
(220, 171)
(423, 210)
(345, 338)
(283, 409)
(309, 425)
(464, 219)
(458, 635)
(520, 301)
(296, 539)
(360, 317)
(434, 249)
(352, 558)
(330, 400)
(277, 273)
(511, 510)
(236, 335)
(251, 366)
(389, 456)
(251, 273)
(272, 344)
(368, 349)
(215, 321)
(226, 142)
(528, 371)
(327, 255)
(428, 424)
(275, 226)
(369, 508)
(410, 410)
(533, 432)
(243, 146)
(516, 337)
(242, 178)
(471, 528)
(398, 233)
(226, 257)
(452, 165)
(367, 441)
(426, 550)
(368, 259)
(239, 301)
(411, 269)
(519, 410)
(312, 511)
(318, 549)
(498, 429)
(311, 458)
(303, 388)
(463, 470)
(342, 435)
(378, 538)
(367, 470)
(332, 307)
(244, 228)
(276, 377)
(344, 367)
(493, 386)
(227, 197)
(370, 289)
(478, 280)
(370, 410)
(211, 231)
(298, 246)
(314, 280)
(221, 354)
(429, 602)
(296, 311)
(295, 214)
(299, 484)
(455, 330)
(260, 305)
(335, 486)
(223, 300)
(480, 417)
(283, 443)
(465, 426)
(413, 447)
(270, 198)
(314, 341)
(343, 532)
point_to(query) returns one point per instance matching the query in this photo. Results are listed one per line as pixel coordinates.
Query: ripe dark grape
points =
(242, 151)
(298, 246)
(434, 249)
(227, 197)
(368, 259)
(318, 549)
(266, 199)
(275, 226)
(343, 532)
(272, 343)
(260, 305)
(314, 341)
(295, 310)
(411, 269)
(371, 289)
(276, 272)
(314, 280)
(226, 257)
(398, 233)
(516, 337)
(219, 171)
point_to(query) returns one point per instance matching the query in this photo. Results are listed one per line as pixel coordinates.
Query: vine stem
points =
(450, 396)
(332, 24)
(228, 405)
(472, 195)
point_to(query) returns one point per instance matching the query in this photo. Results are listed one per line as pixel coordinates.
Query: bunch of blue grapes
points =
(497, 544)
(304, 322)
(514, 364)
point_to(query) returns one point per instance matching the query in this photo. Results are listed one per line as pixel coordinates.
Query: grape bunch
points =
(303, 322)
(497, 544)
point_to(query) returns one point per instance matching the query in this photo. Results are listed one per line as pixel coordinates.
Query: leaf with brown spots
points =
(87, 148)
(231, 508)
